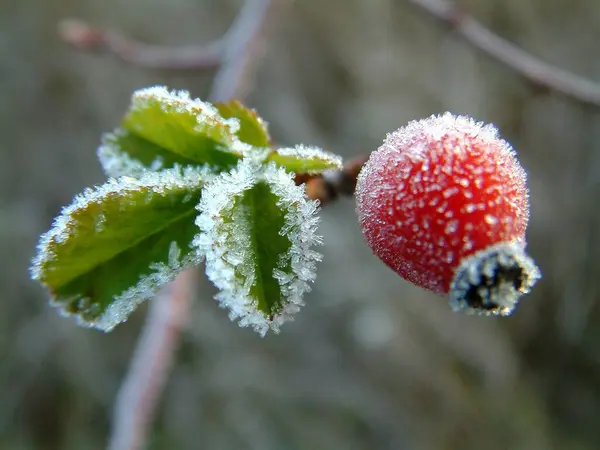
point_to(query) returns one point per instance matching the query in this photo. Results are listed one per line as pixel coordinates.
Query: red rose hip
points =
(444, 203)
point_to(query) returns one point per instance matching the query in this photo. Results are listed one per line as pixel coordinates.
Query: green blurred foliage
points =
(371, 362)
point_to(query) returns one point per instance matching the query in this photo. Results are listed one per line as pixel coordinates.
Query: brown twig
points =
(240, 54)
(533, 69)
(136, 401)
(334, 184)
(87, 38)
(138, 397)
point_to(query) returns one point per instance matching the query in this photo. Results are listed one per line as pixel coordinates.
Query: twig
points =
(87, 38)
(138, 397)
(136, 401)
(244, 44)
(534, 69)
(334, 184)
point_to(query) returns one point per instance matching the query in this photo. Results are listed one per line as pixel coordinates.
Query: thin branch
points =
(534, 69)
(138, 397)
(87, 38)
(331, 185)
(244, 45)
(136, 401)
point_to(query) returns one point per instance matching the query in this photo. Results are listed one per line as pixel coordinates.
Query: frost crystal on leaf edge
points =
(125, 303)
(207, 115)
(223, 241)
(117, 163)
(160, 183)
(302, 151)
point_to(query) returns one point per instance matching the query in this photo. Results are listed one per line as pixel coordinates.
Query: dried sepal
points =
(491, 281)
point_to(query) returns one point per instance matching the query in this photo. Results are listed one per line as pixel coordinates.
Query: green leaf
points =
(252, 129)
(123, 153)
(115, 245)
(303, 159)
(187, 127)
(257, 233)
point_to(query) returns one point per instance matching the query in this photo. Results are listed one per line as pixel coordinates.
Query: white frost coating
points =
(223, 240)
(410, 137)
(207, 116)
(179, 101)
(125, 303)
(64, 227)
(312, 153)
(117, 163)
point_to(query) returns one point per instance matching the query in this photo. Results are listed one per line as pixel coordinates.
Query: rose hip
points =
(444, 203)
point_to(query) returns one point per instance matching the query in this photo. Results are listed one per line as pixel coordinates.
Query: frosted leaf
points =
(123, 153)
(116, 244)
(160, 274)
(251, 129)
(189, 128)
(304, 159)
(257, 230)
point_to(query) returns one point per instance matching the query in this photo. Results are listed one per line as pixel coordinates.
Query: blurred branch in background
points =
(210, 56)
(151, 363)
(87, 38)
(231, 53)
(533, 69)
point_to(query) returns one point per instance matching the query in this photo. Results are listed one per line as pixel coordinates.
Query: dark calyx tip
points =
(491, 281)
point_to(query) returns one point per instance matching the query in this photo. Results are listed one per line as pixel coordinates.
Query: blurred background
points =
(371, 362)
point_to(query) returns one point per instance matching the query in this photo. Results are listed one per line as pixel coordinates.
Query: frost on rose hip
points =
(444, 203)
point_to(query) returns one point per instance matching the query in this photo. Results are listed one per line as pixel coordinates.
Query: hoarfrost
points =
(179, 101)
(117, 163)
(312, 154)
(223, 239)
(208, 119)
(125, 303)
(434, 128)
(66, 227)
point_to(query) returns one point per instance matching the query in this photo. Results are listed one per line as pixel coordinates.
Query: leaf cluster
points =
(188, 182)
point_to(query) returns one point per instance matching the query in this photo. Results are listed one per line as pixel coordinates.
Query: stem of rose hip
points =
(331, 185)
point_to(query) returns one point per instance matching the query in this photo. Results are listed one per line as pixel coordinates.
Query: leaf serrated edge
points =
(216, 206)
(117, 163)
(180, 101)
(147, 287)
(64, 227)
(176, 100)
(312, 154)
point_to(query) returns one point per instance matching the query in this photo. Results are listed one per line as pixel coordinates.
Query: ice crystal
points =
(124, 194)
(225, 228)
(117, 163)
(179, 101)
(64, 227)
(147, 286)
(311, 155)
(446, 180)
